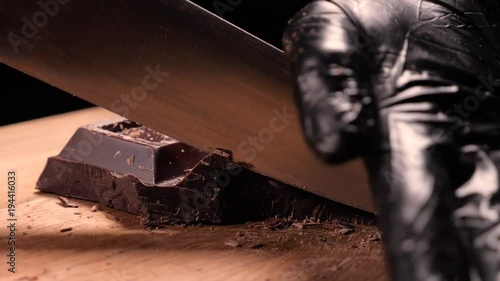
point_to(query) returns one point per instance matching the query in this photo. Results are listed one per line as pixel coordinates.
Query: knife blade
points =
(182, 71)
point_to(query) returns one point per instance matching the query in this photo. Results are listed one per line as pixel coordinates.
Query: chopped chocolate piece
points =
(168, 182)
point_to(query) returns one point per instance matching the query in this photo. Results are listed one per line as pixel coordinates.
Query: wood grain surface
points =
(111, 245)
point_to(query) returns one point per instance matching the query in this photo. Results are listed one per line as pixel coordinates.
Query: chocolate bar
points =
(129, 167)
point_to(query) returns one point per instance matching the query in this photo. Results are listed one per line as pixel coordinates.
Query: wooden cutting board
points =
(111, 245)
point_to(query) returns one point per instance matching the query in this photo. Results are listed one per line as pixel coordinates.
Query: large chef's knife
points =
(180, 70)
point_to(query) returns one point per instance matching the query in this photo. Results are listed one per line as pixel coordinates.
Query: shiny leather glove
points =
(411, 86)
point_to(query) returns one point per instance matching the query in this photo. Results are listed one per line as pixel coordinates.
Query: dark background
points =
(28, 98)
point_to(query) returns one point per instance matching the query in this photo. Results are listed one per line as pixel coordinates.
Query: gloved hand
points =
(410, 86)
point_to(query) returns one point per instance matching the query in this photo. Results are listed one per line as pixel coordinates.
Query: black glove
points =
(410, 86)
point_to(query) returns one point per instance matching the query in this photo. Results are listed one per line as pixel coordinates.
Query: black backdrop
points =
(26, 98)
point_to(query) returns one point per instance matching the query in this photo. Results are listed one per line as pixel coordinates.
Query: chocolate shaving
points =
(66, 203)
(257, 246)
(67, 229)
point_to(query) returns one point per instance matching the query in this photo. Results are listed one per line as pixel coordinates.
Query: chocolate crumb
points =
(257, 246)
(67, 229)
(131, 160)
(111, 217)
(346, 231)
(375, 237)
(232, 243)
(66, 203)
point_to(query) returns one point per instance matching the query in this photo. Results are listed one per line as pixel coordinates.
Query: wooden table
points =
(100, 247)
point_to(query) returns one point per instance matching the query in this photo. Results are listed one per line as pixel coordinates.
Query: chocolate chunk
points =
(129, 167)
